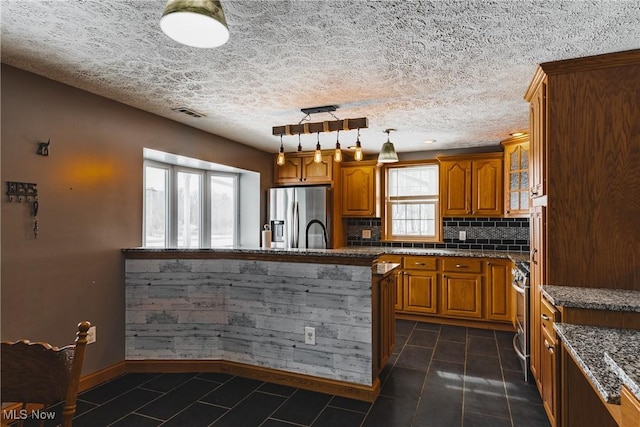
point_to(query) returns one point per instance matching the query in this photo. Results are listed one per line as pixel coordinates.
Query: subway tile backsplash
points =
(490, 234)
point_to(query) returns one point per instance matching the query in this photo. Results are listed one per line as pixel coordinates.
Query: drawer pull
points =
(461, 266)
(544, 317)
(420, 263)
(548, 346)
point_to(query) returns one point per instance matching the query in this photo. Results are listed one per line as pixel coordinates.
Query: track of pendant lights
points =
(336, 125)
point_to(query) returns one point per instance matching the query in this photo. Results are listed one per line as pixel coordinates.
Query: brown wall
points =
(90, 196)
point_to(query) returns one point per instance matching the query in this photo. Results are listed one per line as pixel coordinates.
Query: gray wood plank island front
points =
(252, 310)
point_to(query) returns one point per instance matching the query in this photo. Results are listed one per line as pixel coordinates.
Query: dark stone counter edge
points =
(625, 300)
(606, 379)
(347, 256)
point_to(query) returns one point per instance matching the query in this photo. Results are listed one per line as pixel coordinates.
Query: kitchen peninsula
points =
(245, 311)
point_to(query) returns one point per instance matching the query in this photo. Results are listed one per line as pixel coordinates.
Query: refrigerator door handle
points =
(296, 225)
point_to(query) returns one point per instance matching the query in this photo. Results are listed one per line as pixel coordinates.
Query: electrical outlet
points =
(309, 335)
(462, 235)
(91, 335)
(366, 234)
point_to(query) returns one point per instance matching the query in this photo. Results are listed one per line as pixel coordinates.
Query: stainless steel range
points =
(521, 340)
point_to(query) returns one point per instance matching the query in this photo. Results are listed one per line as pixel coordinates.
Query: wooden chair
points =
(37, 373)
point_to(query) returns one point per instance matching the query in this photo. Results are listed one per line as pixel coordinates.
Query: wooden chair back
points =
(42, 374)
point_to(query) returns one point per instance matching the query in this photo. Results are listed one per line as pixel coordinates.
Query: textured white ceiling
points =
(453, 71)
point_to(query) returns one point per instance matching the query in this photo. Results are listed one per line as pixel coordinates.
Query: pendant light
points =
(317, 156)
(299, 144)
(388, 152)
(337, 155)
(358, 154)
(280, 159)
(195, 23)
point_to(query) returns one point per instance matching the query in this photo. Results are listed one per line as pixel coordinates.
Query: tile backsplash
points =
(492, 234)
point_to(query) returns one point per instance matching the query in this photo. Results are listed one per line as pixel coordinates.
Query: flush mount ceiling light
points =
(336, 125)
(195, 23)
(388, 152)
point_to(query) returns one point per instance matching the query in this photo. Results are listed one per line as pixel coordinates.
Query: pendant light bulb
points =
(337, 155)
(317, 156)
(358, 154)
(280, 159)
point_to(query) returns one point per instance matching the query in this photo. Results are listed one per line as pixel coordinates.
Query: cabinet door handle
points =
(544, 317)
(548, 346)
(534, 251)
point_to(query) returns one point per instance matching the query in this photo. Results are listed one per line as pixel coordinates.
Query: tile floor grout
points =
(426, 383)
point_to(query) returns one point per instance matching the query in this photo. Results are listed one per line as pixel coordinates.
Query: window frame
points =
(171, 204)
(387, 218)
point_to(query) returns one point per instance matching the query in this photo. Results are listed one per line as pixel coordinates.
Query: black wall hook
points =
(43, 148)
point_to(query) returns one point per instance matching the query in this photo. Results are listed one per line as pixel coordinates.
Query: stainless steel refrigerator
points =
(299, 217)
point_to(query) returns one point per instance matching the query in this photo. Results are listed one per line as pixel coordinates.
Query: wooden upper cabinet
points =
(471, 185)
(317, 173)
(456, 187)
(516, 176)
(359, 189)
(538, 124)
(299, 168)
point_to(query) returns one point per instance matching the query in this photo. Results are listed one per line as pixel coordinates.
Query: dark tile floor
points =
(439, 376)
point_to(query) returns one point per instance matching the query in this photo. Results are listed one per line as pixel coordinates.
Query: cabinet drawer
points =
(420, 263)
(396, 259)
(548, 315)
(462, 265)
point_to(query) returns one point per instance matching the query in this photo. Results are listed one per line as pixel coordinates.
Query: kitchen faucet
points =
(324, 232)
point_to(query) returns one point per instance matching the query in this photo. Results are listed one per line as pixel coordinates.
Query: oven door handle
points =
(517, 349)
(517, 288)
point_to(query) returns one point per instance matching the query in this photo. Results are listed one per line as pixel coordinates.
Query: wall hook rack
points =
(43, 148)
(22, 191)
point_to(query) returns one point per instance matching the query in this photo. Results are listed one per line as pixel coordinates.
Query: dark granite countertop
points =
(608, 357)
(383, 268)
(369, 252)
(593, 298)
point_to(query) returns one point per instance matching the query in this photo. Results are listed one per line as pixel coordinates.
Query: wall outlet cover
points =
(462, 235)
(366, 234)
(309, 335)
(91, 335)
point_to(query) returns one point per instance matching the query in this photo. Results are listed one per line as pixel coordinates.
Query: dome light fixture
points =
(195, 23)
(388, 152)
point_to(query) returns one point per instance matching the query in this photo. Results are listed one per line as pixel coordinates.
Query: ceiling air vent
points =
(189, 112)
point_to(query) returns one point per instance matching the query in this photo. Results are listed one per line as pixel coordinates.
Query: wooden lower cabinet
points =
(499, 290)
(384, 333)
(549, 364)
(398, 277)
(461, 295)
(462, 288)
(549, 361)
(420, 291)
(387, 320)
(629, 409)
